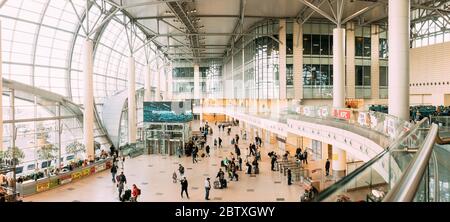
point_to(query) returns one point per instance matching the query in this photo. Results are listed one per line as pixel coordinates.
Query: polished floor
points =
(153, 175)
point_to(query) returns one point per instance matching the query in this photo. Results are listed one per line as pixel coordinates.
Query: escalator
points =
(404, 171)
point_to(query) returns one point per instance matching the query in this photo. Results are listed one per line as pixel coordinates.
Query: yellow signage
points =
(76, 175)
(42, 186)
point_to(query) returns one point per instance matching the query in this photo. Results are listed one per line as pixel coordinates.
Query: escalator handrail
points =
(406, 188)
(336, 186)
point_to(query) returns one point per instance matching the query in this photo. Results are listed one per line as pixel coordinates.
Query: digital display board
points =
(173, 112)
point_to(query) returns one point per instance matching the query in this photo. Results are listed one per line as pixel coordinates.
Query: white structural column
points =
(131, 100)
(196, 81)
(399, 58)
(148, 83)
(88, 115)
(169, 83)
(158, 82)
(298, 60)
(339, 162)
(232, 75)
(244, 89)
(339, 68)
(350, 61)
(375, 62)
(1, 92)
(282, 58)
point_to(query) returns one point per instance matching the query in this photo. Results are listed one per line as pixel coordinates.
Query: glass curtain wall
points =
(37, 123)
(363, 62)
(317, 61)
(383, 62)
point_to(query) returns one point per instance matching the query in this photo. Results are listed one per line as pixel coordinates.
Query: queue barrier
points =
(28, 188)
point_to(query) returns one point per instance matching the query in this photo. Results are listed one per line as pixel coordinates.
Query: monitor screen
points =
(19, 169)
(31, 167)
(175, 112)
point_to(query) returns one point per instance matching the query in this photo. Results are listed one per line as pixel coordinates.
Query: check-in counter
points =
(31, 187)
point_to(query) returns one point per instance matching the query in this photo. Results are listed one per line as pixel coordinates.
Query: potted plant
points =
(75, 148)
(47, 152)
(14, 154)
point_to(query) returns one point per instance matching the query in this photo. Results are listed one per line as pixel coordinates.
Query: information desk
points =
(32, 187)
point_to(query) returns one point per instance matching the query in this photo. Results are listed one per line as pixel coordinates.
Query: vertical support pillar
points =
(170, 83)
(399, 58)
(350, 61)
(131, 100)
(339, 163)
(1, 92)
(88, 115)
(196, 81)
(58, 122)
(232, 73)
(148, 83)
(244, 94)
(282, 58)
(375, 62)
(298, 60)
(339, 68)
(158, 82)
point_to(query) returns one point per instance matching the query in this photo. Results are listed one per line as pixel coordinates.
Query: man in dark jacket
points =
(207, 150)
(184, 187)
(289, 176)
(237, 150)
(327, 167)
(114, 172)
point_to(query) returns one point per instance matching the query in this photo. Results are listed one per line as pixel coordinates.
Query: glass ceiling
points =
(43, 44)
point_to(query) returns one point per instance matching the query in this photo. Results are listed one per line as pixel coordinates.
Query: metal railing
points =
(406, 188)
(381, 161)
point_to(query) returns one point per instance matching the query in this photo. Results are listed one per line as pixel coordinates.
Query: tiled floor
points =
(153, 175)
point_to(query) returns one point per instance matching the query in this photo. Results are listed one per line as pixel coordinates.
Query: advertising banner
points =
(373, 120)
(42, 186)
(342, 114)
(100, 167)
(65, 179)
(86, 172)
(179, 111)
(391, 127)
(77, 175)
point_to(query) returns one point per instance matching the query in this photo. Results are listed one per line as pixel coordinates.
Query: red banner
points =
(342, 114)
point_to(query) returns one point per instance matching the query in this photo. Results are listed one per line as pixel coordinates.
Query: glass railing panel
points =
(373, 180)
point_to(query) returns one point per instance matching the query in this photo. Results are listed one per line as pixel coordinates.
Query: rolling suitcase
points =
(216, 184)
(224, 183)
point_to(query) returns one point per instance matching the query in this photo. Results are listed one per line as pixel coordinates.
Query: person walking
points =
(272, 162)
(207, 150)
(237, 150)
(215, 143)
(240, 163)
(184, 187)
(220, 142)
(114, 172)
(181, 170)
(135, 193)
(194, 155)
(289, 177)
(121, 181)
(207, 188)
(174, 177)
(305, 157)
(123, 161)
(327, 167)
